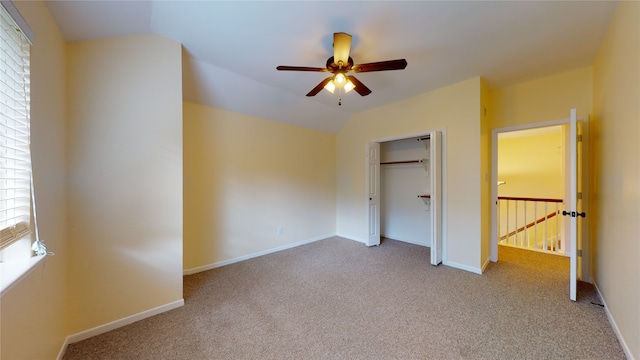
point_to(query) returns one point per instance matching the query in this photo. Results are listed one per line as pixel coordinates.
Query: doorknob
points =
(573, 213)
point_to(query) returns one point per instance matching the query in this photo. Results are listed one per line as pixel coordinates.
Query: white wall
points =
(245, 177)
(124, 178)
(456, 108)
(615, 139)
(36, 307)
(404, 216)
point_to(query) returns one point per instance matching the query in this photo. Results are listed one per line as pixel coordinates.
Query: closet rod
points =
(401, 162)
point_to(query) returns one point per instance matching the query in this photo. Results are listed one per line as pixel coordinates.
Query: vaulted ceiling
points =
(232, 48)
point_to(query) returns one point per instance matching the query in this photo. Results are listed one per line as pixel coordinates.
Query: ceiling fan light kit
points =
(337, 81)
(340, 64)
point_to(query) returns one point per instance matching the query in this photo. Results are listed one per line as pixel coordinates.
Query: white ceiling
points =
(232, 48)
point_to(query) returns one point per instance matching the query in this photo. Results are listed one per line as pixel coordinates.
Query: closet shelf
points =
(426, 199)
(401, 162)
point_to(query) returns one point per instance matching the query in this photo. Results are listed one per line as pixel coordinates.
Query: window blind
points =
(15, 159)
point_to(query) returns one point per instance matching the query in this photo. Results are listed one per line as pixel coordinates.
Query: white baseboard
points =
(253, 255)
(616, 330)
(117, 324)
(63, 349)
(406, 241)
(351, 238)
(463, 267)
(486, 263)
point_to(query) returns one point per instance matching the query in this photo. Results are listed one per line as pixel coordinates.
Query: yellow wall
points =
(531, 166)
(455, 108)
(124, 177)
(127, 127)
(36, 307)
(485, 173)
(244, 177)
(615, 135)
(545, 99)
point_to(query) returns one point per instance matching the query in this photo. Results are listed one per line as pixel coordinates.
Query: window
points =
(15, 159)
(16, 210)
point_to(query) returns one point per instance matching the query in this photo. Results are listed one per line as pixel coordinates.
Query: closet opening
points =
(404, 191)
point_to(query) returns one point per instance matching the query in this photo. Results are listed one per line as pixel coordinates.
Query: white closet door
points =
(373, 193)
(435, 172)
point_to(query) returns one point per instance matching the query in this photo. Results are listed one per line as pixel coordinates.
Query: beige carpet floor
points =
(338, 299)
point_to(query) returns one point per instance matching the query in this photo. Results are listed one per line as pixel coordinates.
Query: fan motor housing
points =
(333, 67)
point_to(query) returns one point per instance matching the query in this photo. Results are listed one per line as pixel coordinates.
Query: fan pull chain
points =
(339, 101)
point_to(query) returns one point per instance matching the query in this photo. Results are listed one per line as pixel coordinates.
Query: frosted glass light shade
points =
(348, 86)
(331, 87)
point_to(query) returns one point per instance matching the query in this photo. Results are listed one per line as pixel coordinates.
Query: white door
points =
(573, 207)
(435, 170)
(373, 193)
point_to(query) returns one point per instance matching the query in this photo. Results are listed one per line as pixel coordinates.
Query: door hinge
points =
(579, 138)
(579, 196)
(579, 252)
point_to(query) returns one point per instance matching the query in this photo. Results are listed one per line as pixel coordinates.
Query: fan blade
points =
(301, 68)
(319, 87)
(360, 88)
(381, 66)
(341, 47)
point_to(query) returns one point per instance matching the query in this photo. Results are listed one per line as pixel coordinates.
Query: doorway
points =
(421, 194)
(575, 135)
(404, 177)
(531, 190)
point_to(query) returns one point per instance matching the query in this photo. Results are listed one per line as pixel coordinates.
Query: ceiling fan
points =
(340, 64)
